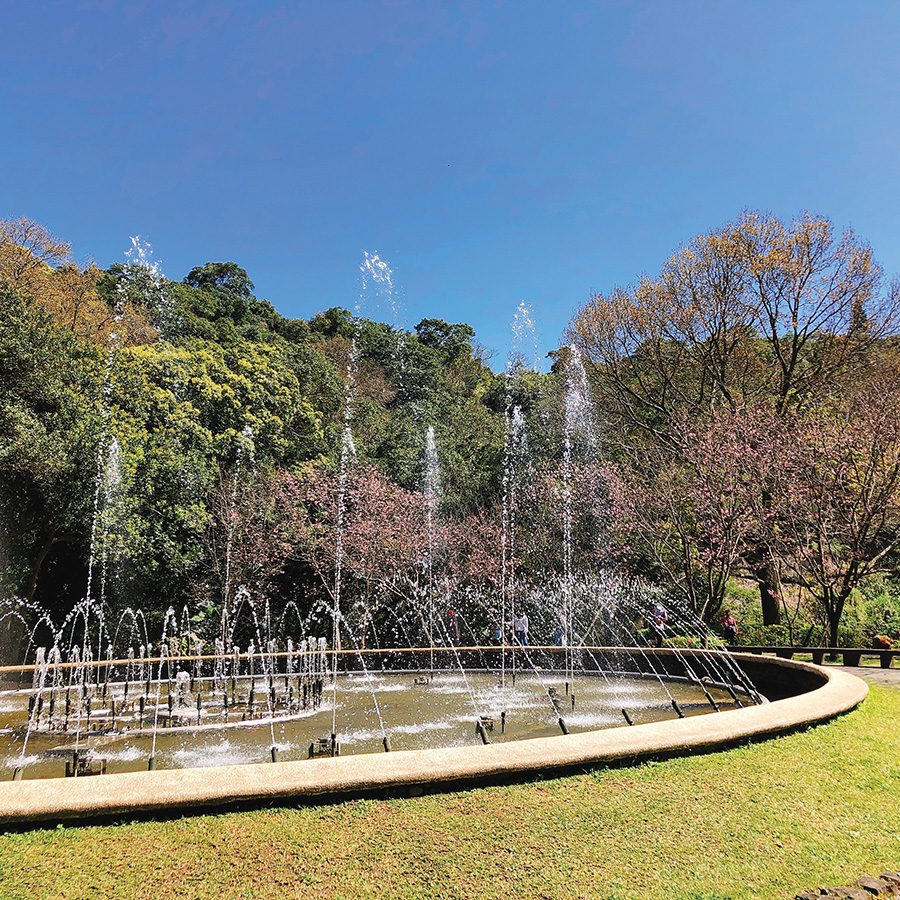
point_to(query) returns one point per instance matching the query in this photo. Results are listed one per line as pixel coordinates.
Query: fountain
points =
(98, 694)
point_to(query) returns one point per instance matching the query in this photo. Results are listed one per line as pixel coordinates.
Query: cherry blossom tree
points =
(248, 539)
(837, 516)
(384, 544)
(759, 312)
(690, 514)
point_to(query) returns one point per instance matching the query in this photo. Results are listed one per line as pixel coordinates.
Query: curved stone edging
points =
(189, 790)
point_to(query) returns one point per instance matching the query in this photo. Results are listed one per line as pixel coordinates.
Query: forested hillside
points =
(222, 416)
(727, 430)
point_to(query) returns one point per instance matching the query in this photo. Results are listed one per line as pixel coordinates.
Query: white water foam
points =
(126, 754)
(356, 737)
(221, 754)
(362, 686)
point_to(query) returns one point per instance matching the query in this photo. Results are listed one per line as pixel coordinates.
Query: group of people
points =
(519, 627)
(657, 622)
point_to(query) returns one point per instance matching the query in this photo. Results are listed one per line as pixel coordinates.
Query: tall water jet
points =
(515, 463)
(377, 280)
(379, 299)
(515, 457)
(245, 452)
(104, 445)
(431, 489)
(348, 454)
(524, 348)
(111, 483)
(142, 281)
(378, 286)
(577, 422)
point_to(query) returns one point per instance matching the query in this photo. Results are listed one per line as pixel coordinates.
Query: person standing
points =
(454, 625)
(729, 627)
(520, 628)
(659, 619)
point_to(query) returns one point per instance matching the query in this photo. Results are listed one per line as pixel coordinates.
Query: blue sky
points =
(492, 152)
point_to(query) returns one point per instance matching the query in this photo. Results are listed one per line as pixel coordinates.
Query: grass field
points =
(764, 820)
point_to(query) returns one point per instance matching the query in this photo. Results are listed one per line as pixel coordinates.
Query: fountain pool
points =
(418, 710)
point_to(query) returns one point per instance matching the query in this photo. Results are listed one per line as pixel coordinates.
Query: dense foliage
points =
(752, 393)
(169, 424)
(166, 442)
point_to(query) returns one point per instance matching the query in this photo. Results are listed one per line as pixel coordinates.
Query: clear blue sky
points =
(491, 152)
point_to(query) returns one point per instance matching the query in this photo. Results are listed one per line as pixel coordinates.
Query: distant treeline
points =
(176, 440)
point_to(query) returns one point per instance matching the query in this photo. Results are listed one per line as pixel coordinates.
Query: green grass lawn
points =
(764, 820)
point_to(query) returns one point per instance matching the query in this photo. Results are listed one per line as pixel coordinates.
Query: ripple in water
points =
(24, 761)
(362, 685)
(221, 754)
(591, 719)
(127, 754)
(357, 737)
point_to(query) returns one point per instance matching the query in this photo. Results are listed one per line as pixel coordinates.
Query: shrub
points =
(765, 635)
(852, 634)
(740, 596)
(871, 611)
(685, 642)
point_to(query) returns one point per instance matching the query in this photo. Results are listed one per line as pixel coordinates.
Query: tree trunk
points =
(769, 583)
(12, 642)
(834, 608)
(833, 622)
(39, 560)
(767, 576)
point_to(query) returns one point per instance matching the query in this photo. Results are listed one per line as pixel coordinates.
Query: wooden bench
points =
(850, 656)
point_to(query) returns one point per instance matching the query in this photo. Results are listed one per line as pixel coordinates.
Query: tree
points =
(384, 539)
(49, 434)
(26, 249)
(247, 542)
(758, 312)
(226, 276)
(35, 264)
(690, 515)
(449, 340)
(838, 512)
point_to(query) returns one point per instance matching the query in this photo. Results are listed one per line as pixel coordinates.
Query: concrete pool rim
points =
(823, 693)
